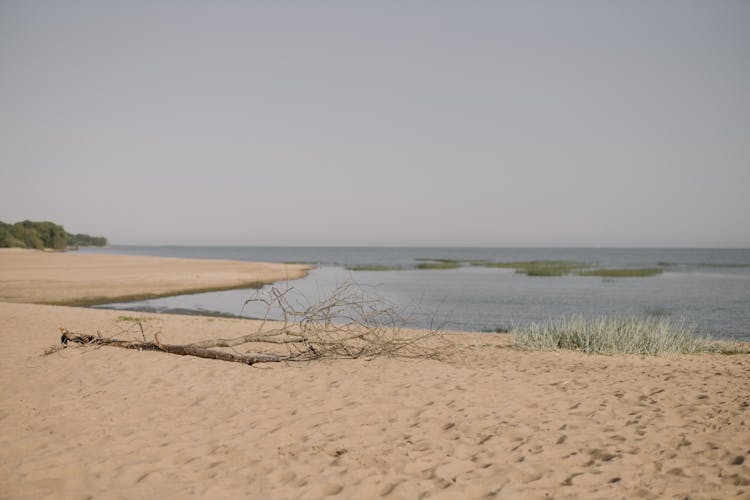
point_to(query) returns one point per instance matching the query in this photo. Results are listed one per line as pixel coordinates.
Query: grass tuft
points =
(645, 335)
(132, 319)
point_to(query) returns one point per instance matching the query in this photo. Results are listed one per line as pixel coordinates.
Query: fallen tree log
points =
(181, 350)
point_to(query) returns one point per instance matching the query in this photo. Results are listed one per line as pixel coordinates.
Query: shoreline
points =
(487, 420)
(177, 312)
(95, 301)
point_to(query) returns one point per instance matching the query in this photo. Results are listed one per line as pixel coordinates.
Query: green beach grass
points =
(133, 319)
(644, 335)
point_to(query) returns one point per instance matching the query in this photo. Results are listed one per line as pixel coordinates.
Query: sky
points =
(416, 123)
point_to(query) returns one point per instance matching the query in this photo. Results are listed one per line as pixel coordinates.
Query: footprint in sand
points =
(569, 480)
(388, 489)
(600, 455)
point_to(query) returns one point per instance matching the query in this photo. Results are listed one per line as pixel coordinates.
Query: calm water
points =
(710, 288)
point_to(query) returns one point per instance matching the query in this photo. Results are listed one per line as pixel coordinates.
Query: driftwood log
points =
(181, 350)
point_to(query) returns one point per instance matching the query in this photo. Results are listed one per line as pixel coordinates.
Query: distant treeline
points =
(28, 234)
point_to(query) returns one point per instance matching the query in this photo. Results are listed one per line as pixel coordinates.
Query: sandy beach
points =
(72, 278)
(487, 421)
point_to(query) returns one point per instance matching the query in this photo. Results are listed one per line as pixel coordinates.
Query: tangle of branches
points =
(345, 324)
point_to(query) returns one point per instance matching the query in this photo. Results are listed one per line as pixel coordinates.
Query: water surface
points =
(708, 287)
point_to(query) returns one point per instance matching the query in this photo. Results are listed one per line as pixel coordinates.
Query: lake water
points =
(707, 287)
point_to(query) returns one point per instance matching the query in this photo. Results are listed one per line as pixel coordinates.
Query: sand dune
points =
(487, 421)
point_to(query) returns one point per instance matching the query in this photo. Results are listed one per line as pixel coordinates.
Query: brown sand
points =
(75, 278)
(488, 421)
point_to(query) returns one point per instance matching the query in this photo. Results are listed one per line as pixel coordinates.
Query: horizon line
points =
(603, 247)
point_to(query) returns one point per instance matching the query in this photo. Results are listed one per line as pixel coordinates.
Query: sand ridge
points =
(80, 278)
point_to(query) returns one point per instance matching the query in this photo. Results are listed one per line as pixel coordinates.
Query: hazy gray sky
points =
(379, 123)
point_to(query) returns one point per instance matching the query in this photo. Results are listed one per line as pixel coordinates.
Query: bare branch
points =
(182, 350)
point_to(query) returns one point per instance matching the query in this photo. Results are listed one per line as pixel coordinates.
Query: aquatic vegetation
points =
(439, 265)
(498, 329)
(487, 263)
(375, 268)
(728, 265)
(550, 268)
(720, 265)
(656, 311)
(481, 263)
(646, 335)
(542, 267)
(623, 272)
(536, 267)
